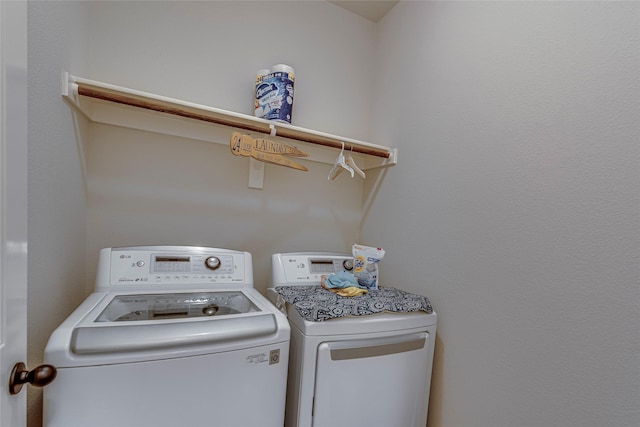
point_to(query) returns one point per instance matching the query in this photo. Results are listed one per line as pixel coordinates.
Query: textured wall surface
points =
(515, 204)
(154, 189)
(57, 40)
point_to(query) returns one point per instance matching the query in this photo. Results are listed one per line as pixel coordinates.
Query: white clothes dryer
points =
(172, 335)
(352, 363)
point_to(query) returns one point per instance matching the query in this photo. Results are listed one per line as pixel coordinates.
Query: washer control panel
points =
(141, 266)
(307, 268)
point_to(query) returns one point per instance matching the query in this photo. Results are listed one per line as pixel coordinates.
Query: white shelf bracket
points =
(256, 168)
(70, 93)
(256, 174)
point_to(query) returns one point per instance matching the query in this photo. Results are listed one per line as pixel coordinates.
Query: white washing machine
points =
(172, 336)
(352, 362)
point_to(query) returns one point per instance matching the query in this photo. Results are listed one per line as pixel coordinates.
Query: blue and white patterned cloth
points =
(316, 304)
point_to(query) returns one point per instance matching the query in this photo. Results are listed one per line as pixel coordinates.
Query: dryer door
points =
(375, 382)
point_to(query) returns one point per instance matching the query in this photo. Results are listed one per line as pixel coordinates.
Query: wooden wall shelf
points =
(115, 105)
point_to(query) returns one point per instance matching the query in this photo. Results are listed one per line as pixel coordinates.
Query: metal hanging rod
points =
(134, 98)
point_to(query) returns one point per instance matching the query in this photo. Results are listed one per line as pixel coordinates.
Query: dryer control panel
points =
(306, 268)
(172, 266)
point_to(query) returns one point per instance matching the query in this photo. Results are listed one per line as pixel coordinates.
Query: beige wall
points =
(151, 189)
(515, 204)
(146, 188)
(57, 39)
(208, 52)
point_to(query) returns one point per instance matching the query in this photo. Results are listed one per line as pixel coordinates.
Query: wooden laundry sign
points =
(265, 150)
(268, 146)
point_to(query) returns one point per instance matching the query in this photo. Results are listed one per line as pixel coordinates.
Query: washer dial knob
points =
(212, 263)
(347, 264)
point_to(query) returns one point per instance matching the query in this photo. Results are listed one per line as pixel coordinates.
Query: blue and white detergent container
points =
(274, 93)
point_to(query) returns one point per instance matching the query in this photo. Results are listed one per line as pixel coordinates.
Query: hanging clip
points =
(339, 165)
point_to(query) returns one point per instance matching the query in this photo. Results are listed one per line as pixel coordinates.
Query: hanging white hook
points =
(351, 162)
(339, 165)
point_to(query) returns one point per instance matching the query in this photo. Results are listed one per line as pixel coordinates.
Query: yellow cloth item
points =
(351, 291)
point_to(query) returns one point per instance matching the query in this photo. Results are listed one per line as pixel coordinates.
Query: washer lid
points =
(137, 322)
(138, 307)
